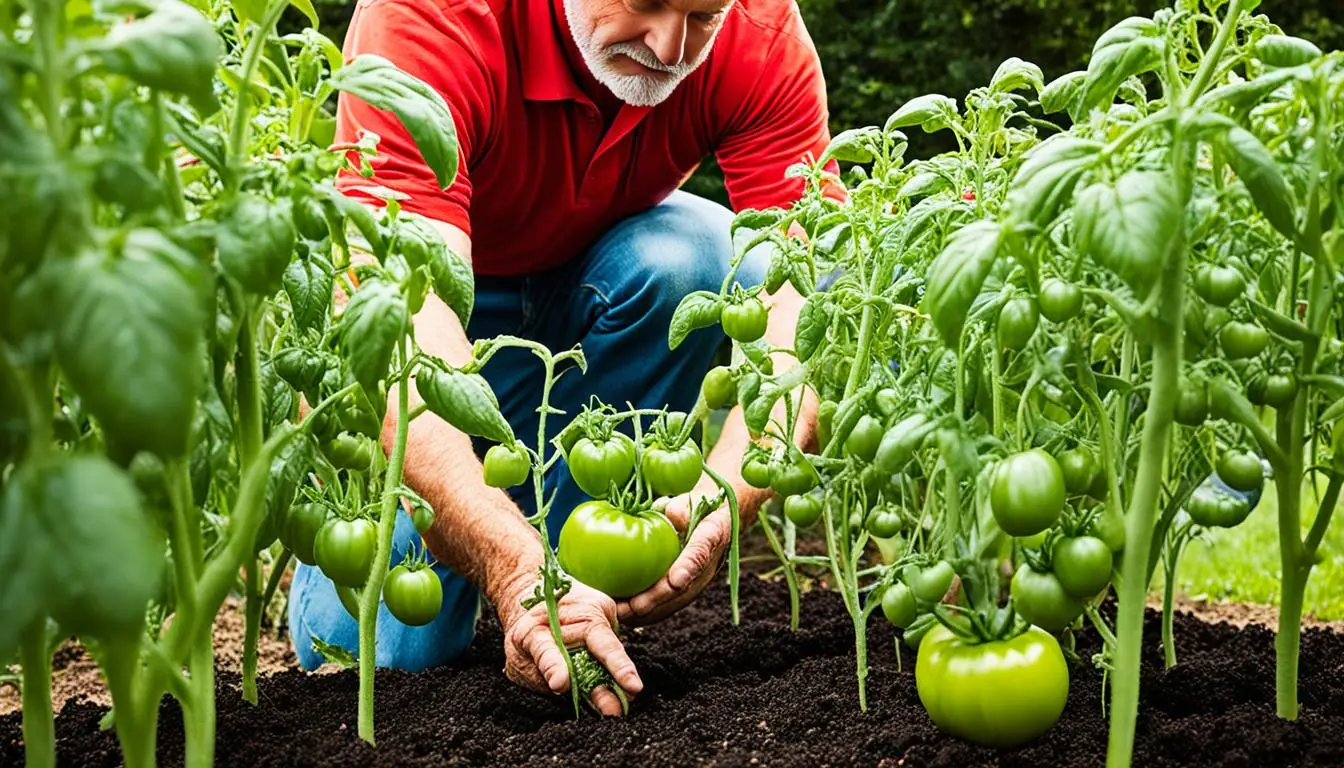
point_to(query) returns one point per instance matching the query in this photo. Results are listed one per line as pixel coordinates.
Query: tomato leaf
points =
(422, 245)
(814, 318)
(287, 471)
(1263, 179)
(370, 328)
(75, 544)
(420, 108)
(464, 400)
(1132, 47)
(852, 146)
(756, 413)
(174, 49)
(1063, 94)
(1280, 324)
(128, 340)
(1241, 97)
(358, 214)
(1048, 177)
(1014, 74)
(279, 403)
(256, 242)
(309, 287)
(204, 141)
(1286, 51)
(753, 220)
(698, 310)
(1127, 226)
(956, 275)
(932, 112)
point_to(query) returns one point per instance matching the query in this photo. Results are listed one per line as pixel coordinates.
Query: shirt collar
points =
(552, 68)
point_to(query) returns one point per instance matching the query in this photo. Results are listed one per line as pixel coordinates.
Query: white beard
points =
(635, 90)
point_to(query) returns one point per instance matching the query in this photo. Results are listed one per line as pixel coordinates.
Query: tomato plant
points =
(1027, 494)
(597, 465)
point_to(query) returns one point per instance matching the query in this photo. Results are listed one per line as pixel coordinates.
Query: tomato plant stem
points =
(387, 519)
(1167, 327)
(136, 715)
(198, 713)
(39, 727)
(734, 545)
(1171, 563)
(249, 387)
(251, 631)
(242, 108)
(787, 565)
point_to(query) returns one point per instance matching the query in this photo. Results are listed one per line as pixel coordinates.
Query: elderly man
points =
(577, 122)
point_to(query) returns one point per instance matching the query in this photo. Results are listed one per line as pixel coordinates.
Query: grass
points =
(1242, 564)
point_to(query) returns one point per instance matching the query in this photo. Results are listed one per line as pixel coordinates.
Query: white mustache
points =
(642, 55)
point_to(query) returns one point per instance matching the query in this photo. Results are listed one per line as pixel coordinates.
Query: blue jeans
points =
(616, 301)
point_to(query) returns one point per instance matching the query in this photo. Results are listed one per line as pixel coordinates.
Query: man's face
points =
(641, 49)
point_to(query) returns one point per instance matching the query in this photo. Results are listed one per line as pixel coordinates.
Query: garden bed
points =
(754, 694)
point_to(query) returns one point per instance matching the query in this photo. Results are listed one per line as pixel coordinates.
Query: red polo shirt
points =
(549, 159)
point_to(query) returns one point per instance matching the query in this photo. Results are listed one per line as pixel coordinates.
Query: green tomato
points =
(413, 597)
(344, 550)
(932, 583)
(1192, 402)
(1060, 301)
(898, 605)
(1041, 599)
(756, 470)
(672, 472)
(803, 510)
(506, 466)
(1242, 340)
(1083, 565)
(792, 478)
(884, 523)
(1017, 323)
(352, 452)
(1027, 493)
(1003, 693)
(1241, 471)
(1109, 526)
(1280, 389)
(299, 533)
(597, 465)
(864, 438)
(614, 552)
(718, 388)
(422, 517)
(1212, 508)
(1080, 468)
(1218, 285)
(745, 322)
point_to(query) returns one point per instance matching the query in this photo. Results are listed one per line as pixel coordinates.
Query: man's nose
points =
(667, 38)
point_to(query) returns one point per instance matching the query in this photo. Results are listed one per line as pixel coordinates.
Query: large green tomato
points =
(614, 552)
(344, 550)
(898, 605)
(672, 472)
(864, 438)
(596, 465)
(1027, 493)
(1002, 693)
(1060, 301)
(803, 510)
(791, 478)
(1241, 471)
(1079, 466)
(1042, 600)
(1218, 285)
(1242, 340)
(1017, 323)
(756, 470)
(1211, 507)
(932, 583)
(413, 597)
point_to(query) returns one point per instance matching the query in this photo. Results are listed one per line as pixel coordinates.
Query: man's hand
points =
(693, 569)
(587, 619)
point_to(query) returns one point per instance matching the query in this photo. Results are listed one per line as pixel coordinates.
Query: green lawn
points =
(1242, 564)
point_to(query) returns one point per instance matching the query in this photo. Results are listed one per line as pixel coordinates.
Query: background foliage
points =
(879, 53)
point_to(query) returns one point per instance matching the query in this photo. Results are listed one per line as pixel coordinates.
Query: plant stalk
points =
(251, 631)
(373, 589)
(790, 572)
(39, 725)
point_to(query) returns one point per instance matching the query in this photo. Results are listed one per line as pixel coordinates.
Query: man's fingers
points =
(549, 661)
(606, 702)
(603, 644)
(701, 554)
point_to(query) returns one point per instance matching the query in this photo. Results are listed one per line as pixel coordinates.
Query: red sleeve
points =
(441, 46)
(782, 121)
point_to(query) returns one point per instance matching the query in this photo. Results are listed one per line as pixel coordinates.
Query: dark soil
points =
(754, 694)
